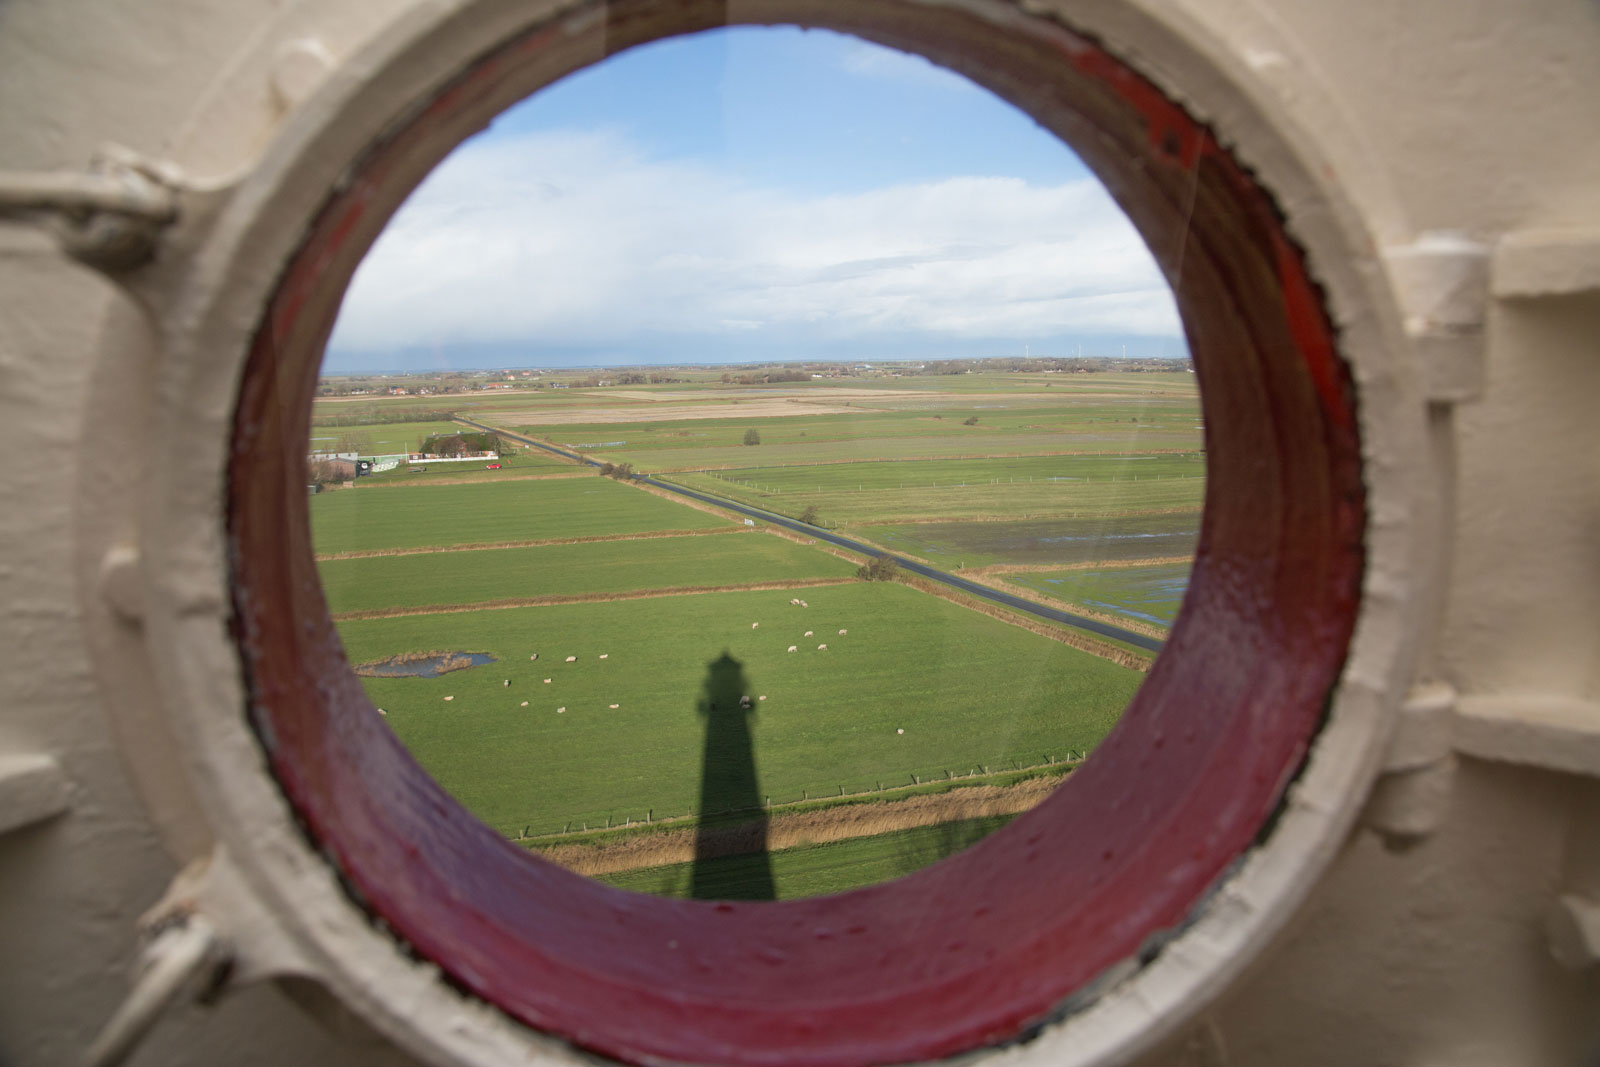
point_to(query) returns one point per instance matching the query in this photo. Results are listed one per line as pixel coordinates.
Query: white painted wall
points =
(1477, 116)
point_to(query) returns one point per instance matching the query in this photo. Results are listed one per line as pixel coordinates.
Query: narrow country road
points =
(1017, 603)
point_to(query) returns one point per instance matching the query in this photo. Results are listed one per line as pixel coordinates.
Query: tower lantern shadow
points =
(730, 853)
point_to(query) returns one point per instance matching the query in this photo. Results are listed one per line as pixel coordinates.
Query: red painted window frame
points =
(980, 948)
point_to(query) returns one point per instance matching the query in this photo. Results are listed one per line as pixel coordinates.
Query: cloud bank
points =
(575, 242)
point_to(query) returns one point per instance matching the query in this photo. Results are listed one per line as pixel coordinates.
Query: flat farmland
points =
(513, 465)
(1064, 541)
(908, 662)
(1152, 593)
(1005, 488)
(439, 516)
(376, 439)
(598, 567)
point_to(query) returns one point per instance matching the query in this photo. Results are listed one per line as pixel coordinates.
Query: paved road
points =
(1043, 611)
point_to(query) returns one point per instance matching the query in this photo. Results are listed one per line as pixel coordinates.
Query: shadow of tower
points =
(730, 849)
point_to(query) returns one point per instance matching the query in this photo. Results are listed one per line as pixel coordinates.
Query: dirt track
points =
(837, 823)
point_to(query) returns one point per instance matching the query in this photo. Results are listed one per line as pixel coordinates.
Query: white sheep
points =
(761, 698)
(843, 632)
(605, 655)
(533, 657)
(524, 703)
(806, 634)
(754, 625)
(547, 681)
(560, 711)
(793, 647)
(822, 648)
(382, 712)
(615, 706)
(572, 659)
(506, 683)
(449, 698)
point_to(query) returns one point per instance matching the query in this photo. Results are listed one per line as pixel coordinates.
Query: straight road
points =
(1043, 611)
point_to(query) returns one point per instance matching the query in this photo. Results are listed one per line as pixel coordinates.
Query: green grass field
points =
(1058, 541)
(436, 578)
(1152, 594)
(909, 661)
(815, 870)
(425, 516)
(1108, 492)
(376, 439)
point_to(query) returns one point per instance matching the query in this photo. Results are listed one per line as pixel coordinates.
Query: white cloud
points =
(876, 61)
(577, 239)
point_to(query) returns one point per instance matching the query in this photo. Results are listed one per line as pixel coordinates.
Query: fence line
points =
(1073, 758)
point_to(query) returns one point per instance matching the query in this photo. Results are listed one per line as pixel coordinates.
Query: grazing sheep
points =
(506, 683)
(804, 604)
(793, 647)
(822, 648)
(547, 681)
(901, 730)
(761, 698)
(843, 632)
(524, 703)
(754, 625)
(794, 600)
(745, 703)
(382, 712)
(605, 655)
(533, 657)
(449, 698)
(806, 634)
(572, 659)
(560, 710)
(616, 705)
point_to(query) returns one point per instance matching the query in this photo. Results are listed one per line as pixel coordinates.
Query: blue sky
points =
(754, 194)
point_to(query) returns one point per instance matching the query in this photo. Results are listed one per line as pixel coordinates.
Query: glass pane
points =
(759, 465)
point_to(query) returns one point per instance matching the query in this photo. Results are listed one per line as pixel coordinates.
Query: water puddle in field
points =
(422, 664)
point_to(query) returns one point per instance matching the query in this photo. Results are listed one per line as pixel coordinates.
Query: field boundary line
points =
(1136, 625)
(396, 483)
(927, 459)
(483, 546)
(929, 520)
(587, 598)
(1121, 657)
(1091, 565)
(820, 825)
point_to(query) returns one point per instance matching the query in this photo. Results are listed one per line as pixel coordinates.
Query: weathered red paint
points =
(973, 950)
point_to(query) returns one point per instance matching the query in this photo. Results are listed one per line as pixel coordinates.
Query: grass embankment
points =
(809, 823)
(818, 869)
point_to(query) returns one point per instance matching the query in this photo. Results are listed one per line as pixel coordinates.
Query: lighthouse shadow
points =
(730, 853)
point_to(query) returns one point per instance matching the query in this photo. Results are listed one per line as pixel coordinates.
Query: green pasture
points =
(376, 439)
(438, 578)
(909, 661)
(817, 870)
(1031, 487)
(1151, 593)
(1084, 469)
(424, 516)
(1060, 541)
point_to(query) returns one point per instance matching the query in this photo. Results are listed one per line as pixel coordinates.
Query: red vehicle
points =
(491, 466)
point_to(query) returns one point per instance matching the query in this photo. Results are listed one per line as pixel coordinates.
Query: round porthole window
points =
(1098, 885)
